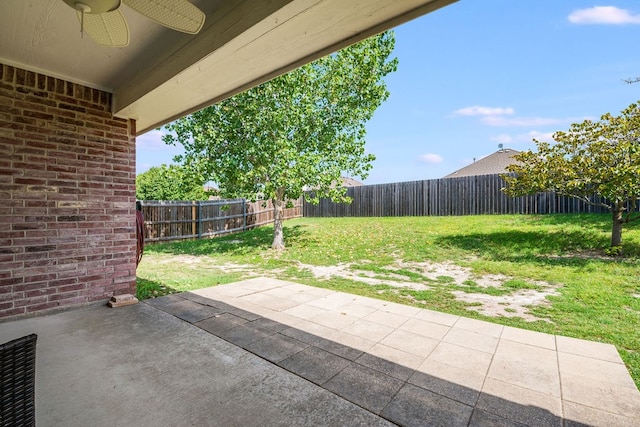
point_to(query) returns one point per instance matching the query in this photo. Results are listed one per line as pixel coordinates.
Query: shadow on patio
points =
(268, 352)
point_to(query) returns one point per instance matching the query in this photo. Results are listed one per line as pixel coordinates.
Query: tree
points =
(593, 158)
(169, 183)
(301, 130)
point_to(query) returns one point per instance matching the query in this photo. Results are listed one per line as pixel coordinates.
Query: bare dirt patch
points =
(345, 271)
(430, 274)
(515, 304)
(209, 263)
(436, 271)
(180, 259)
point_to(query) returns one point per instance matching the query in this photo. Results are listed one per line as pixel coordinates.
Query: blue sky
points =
(481, 73)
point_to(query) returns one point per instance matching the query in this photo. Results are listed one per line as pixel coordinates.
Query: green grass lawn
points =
(593, 296)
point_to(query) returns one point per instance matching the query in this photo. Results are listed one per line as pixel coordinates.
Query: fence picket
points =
(474, 195)
(180, 220)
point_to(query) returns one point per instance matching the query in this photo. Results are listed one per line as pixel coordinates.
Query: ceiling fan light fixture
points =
(83, 8)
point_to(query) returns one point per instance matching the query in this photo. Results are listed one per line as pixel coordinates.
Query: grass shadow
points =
(597, 222)
(562, 247)
(243, 243)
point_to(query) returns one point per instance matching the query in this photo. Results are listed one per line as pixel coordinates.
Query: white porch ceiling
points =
(164, 74)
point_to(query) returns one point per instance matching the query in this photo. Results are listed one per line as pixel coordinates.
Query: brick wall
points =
(67, 195)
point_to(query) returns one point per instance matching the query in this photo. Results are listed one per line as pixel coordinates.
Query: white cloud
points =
(478, 110)
(506, 117)
(604, 15)
(519, 121)
(431, 158)
(503, 117)
(522, 138)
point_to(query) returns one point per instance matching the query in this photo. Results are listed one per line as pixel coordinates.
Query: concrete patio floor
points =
(265, 352)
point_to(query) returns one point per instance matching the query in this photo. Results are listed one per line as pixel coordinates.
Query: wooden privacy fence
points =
(169, 220)
(472, 195)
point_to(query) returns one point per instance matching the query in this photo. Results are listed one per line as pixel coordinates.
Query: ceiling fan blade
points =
(178, 15)
(106, 29)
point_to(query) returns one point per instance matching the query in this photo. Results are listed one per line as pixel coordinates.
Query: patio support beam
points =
(248, 45)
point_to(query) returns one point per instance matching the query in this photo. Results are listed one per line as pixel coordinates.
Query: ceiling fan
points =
(105, 24)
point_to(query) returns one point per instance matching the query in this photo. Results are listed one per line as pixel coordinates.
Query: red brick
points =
(11, 267)
(67, 297)
(11, 281)
(39, 277)
(40, 292)
(41, 81)
(64, 282)
(70, 288)
(35, 104)
(30, 136)
(40, 263)
(31, 150)
(10, 294)
(11, 125)
(41, 307)
(5, 306)
(118, 123)
(67, 176)
(29, 256)
(27, 121)
(40, 97)
(39, 204)
(6, 289)
(78, 273)
(30, 301)
(20, 76)
(42, 144)
(38, 115)
(12, 312)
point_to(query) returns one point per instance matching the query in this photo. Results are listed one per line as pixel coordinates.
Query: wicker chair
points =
(17, 382)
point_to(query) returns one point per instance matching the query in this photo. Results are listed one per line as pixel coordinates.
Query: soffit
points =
(164, 74)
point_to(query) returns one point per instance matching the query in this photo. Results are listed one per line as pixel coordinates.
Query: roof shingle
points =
(492, 164)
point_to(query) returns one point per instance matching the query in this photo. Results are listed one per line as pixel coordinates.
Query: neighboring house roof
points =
(350, 182)
(346, 182)
(489, 165)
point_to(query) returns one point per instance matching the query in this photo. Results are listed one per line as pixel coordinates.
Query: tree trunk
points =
(618, 220)
(278, 236)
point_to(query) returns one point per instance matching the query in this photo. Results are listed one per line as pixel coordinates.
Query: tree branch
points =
(586, 200)
(633, 219)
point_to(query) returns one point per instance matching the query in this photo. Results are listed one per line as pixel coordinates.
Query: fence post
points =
(199, 219)
(194, 225)
(244, 214)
